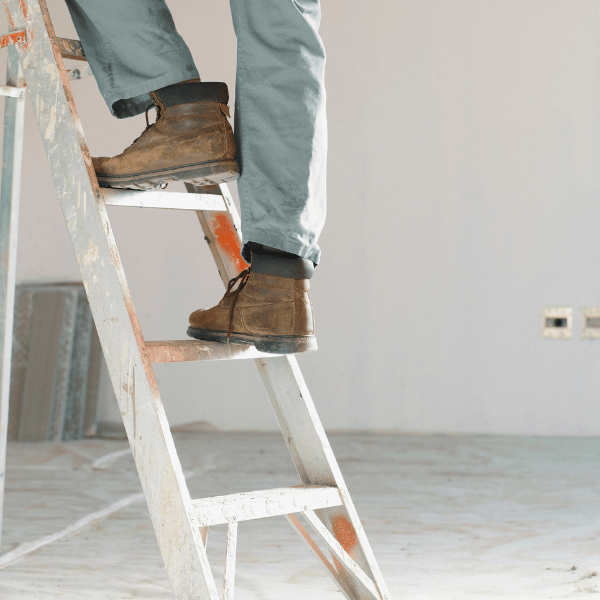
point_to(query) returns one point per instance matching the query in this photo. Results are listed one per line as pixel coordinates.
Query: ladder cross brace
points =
(264, 503)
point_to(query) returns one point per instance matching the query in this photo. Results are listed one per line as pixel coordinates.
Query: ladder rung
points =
(193, 350)
(14, 37)
(264, 503)
(79, 72)
(13, 92)
(70, 49)
(158, 199)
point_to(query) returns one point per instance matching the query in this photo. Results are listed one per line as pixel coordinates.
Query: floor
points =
(447, 516)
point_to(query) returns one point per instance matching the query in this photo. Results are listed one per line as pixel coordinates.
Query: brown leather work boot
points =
(188, 142)
(273, 313)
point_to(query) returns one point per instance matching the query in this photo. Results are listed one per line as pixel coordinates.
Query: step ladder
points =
(181, 524)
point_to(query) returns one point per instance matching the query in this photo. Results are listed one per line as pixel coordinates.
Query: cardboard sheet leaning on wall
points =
(56, 361)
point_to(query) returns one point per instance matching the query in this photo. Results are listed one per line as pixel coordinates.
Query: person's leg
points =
(281, 136)
(139, 61)
(281, 127)
(280, 124)
(133, 48)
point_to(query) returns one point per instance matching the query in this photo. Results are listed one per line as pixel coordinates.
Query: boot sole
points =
(273, 344)
(201, 174)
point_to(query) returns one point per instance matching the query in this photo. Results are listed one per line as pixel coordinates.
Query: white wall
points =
(463, 193)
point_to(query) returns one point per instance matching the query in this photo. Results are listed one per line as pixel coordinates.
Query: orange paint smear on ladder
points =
(23, 6)
(16, 37)
(11, 24)
(344, 532)
(226, 238)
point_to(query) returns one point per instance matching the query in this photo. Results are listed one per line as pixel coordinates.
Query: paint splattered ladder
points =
(181, 524)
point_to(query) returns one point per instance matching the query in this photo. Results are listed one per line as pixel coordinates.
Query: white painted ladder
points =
(180, 523)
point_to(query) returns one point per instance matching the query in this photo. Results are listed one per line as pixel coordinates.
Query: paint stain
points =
(344, 532)
(11, 23)
(18, 37)
(228, 241)
(23, 8)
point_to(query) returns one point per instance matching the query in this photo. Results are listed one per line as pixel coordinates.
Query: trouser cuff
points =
(270, 261)
(188, 92)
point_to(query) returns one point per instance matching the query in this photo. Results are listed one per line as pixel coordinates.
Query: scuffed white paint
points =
(50, 129)
(91, 256)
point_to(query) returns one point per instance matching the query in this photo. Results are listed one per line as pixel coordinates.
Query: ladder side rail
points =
(296, 413)
(340, 553)
(312, 546)
(315, 461)
(10, 190)
(147, 428)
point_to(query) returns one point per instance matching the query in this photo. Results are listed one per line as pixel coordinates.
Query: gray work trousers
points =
(280, 126)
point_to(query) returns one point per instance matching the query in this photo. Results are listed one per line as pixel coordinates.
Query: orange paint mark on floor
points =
(227, 239)
(344, 532)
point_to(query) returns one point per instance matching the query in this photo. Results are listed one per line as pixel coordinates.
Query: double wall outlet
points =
(557, 323)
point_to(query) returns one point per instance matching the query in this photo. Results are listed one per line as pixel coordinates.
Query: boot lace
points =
(148, 124)
(242, 278)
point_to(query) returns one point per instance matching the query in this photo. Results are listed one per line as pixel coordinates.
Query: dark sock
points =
(193, 91)
(271, 261)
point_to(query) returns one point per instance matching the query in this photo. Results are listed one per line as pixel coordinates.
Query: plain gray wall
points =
(463, 197)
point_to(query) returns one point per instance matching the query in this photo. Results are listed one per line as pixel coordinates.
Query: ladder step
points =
(14, 37)
(11, 91)
(264, 503)
(193, 350)
(70, 49)
(79, 72)
(159, 199)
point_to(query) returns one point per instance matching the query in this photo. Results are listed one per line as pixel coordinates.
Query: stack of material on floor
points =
(56, 363)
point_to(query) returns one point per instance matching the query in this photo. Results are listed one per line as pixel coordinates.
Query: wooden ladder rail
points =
(12, 158)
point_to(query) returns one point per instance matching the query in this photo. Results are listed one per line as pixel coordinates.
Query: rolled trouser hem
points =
(282, 243)
(136, 100)
(269, 261)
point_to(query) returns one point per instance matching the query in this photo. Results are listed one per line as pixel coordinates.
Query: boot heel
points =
(288, 345)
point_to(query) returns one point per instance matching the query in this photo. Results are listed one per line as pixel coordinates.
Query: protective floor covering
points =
(448, 517)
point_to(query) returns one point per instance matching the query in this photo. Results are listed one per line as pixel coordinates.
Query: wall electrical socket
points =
(557, 322)
(591, 323)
